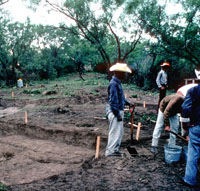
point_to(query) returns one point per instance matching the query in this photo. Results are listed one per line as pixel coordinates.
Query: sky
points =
(19, 12)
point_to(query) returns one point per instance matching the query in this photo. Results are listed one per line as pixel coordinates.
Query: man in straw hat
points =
(161, 81)
(115, 109)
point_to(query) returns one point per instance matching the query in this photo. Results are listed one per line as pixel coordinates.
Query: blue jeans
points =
(174, 125)
(193, 155)
(115, 133)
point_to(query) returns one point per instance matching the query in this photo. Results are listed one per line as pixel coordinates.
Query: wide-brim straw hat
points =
(120, 67)
(165, 64)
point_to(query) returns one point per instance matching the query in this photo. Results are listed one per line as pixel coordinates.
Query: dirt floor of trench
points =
(55, 149)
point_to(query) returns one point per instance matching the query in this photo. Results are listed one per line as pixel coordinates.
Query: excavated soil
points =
(55, 149)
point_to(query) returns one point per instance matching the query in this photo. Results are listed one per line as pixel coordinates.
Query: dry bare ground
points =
(55, 149)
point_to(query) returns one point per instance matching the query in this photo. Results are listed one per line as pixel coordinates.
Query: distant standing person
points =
(161, 81)
(115, 109)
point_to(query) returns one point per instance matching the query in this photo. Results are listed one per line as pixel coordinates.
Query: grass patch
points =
(70, 86)
(127, 116)
(134, 96)
(3, 187)
(32, 91)
(146, 118)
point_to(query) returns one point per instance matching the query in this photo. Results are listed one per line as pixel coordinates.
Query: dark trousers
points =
(161, 96)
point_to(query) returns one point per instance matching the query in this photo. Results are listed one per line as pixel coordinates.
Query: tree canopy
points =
(176, 33)
(142, 33)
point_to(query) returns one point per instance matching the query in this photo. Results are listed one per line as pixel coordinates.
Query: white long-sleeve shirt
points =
(161, 78)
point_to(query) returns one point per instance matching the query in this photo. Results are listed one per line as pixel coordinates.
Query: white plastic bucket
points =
(20, 83)
(172, 153)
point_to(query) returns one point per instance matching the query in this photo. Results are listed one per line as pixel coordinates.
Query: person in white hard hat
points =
(115, 109)
(161, 81)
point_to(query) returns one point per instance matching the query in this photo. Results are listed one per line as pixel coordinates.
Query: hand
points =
(119, 118)
(162, 88)
(132, 105)
(167, 128)
(185, 126)
(185, 133)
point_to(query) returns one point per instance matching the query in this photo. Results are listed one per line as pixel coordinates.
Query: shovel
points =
(179, 136)
(130, 147)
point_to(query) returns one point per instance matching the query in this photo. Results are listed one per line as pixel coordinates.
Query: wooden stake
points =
(134, 125)
(26, 119)
(149, 119)
(126, 109)
(26, 85)
(125, 95)
(97, 147)
(144, 104)
(99, 84)
(100, 118)
(138, 131)
(12, 94)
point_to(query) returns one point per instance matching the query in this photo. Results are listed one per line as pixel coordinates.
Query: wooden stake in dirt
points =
(149, 119)
(144, 104)
(26, 85)
(138, 131)
(126, 109)
(134, 125)
(125, 95)
(99, 84)
(12, 94)
(100, 118)
(26, 119)
(97, 147)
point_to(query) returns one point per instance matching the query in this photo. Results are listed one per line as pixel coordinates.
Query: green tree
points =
(95, 27)
(15, 40)
(3, 2)
(178, 33)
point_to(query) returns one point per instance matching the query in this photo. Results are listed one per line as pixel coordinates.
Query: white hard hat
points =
(197, 72)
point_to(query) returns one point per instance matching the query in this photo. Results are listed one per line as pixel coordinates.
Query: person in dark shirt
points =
(191, 109)
(115, 109)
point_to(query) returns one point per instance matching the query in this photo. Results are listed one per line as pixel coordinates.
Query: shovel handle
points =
(133, 108)
(132, 112)
(179, 136)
